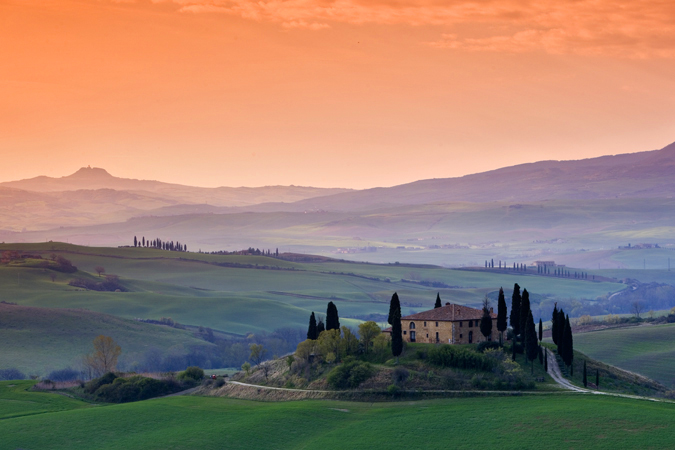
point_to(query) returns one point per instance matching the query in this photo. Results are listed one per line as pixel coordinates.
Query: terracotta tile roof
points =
(449, 313)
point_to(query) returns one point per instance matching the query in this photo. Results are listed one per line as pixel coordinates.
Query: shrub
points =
(350, 374)
(400, 375)
(485, 345)
(192, 373)
(11, 374)
(220, 382)
(450, 356)
(67, 374)
(96, 383)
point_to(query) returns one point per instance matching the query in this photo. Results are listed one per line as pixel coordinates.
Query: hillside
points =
(648, 349)
(37, 341)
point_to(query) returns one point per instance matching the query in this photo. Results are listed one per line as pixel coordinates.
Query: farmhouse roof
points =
(449, 313)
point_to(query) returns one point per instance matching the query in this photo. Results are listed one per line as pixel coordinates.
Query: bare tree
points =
(104, 356)
(99, 270)
(258, 353)
(637, 308)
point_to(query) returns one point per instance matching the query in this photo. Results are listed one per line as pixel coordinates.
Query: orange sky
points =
(353, 93)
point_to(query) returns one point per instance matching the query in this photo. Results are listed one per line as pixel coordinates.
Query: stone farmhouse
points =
(449, 324)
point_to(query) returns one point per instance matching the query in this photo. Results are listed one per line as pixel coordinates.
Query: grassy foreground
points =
(552, 421)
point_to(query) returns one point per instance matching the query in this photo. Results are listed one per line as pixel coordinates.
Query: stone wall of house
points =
(446, 332)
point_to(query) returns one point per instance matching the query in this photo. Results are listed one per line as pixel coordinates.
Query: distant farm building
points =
(638, 246)
(451, 324)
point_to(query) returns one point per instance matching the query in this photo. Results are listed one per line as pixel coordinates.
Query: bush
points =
(485, 345)
(96, 383)
(192, 373)
(400, 375)
(451, 356)
(11, 374)
(349, 374)
(67, 374)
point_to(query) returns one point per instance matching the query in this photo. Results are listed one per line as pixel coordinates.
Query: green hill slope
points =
(648, 350)
(39, 340)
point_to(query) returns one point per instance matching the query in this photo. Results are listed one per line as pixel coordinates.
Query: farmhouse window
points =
(412, 336)
(412, 325)
(470, 323)
(437, 337)
(425, 324)
(436, 323)
(404, 332)
(460, 323)
(460, 336)
(470, 337)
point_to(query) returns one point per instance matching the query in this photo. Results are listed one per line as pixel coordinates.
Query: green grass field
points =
(16, 400)
(39, 340)
(648, 350)
(560, 421)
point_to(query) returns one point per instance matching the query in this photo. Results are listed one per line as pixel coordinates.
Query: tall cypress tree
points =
(135, 242)
(486, 319)
(312, 331)
(515, 310)
(524, 310)
(394, 305)
(597, 379)
(396, 334)
(585, 378)
(332, 319)
(561, 330)
(320, 327)
(501, 315)
(541, 331)
(545, 361)
(568, 347)
(438, 301)
(530, 341)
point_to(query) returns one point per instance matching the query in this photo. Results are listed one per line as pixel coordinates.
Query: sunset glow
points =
(325, 93)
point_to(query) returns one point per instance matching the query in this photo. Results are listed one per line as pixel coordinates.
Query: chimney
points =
(447, 303)
(491, 310)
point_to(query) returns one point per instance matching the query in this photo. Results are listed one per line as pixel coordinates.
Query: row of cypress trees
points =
(522, 323)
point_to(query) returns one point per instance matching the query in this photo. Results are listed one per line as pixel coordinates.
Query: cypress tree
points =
(438, 301)
(312, 331)
(554, 324)
(585, 379)
(320, 327)
(540, 353)
(530, 341)
(501, 315)
(515, 310)
(332, 319)
(541, 331)
(561, 331)
(396, 335)
(545, 361)
(486, 319)
(568, 348)
(524, 310)
(597, 379)
(135, 242)
(394, 305)
(143, 241)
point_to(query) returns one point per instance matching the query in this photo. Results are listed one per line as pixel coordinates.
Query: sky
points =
(328, 93)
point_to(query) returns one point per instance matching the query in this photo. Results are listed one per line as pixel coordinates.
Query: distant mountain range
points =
(611, 199)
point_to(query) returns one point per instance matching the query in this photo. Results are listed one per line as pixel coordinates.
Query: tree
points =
(561, 330)
(350, 343)
(258, 353)
(396, 335)
(329, 345)
(320, 327)
(369, 331)
(143, 241)
(637, 308)
(530, 334)
(585, 377)
(394, 305)
(438, 301)
(332, 319)
(311, 330)
(135, 242)
(568, 346)
(554, 324)
(541, 331)
(104, 356)
(597, 379)
(99, 270)
(515, 310)
(486, 319)
(524, 310)
(545, 361)
(501, 315)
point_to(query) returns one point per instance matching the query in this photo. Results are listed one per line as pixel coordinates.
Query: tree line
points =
(160, 244)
